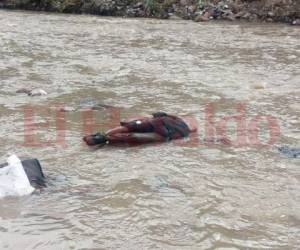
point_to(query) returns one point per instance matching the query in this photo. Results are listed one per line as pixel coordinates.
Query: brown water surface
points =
(151, 197)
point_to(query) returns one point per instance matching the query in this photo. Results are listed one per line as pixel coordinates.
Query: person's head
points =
(95, 139)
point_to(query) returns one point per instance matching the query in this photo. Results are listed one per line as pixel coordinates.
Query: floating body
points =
(160, 127)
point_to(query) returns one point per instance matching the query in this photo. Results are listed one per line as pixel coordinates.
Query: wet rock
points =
(235, 8)
(164, 15)
(138, 5)
(101, 106)
(289, 151)
(191, 9)
(246, 15)
(296, 22)
(183, 2)
(137, 10)
(278, 10)
(34, 92)
(174, 8)
(240, 14)
(23, 91)
(253, 17)
(91, 104)
(85, 107)
(228, 15)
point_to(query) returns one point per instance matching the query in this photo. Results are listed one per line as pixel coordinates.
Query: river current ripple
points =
(182, 196)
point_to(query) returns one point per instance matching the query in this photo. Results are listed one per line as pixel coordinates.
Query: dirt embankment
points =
(197, 10)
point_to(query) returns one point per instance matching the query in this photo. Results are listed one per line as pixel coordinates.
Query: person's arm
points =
(127, 127)
(117, 130)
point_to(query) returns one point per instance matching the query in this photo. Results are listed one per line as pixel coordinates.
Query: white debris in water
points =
(33, 92)
(37, 92)
(13, 179)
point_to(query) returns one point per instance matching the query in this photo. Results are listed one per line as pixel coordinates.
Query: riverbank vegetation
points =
(197, 10)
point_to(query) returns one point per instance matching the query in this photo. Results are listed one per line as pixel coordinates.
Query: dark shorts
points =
(169, 127)
(143, 127)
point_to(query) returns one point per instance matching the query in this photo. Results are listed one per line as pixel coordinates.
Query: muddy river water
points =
(187, 195)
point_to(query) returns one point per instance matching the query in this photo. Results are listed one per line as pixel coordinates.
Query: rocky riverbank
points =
(197, 10)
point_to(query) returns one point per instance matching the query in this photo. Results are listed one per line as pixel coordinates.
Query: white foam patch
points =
(13, 179)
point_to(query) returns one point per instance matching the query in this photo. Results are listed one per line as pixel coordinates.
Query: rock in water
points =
(34, 92)
(91, 104)
(13, 179)
(289, 151)
(259, 85)
(228, 15)
(37, 92)
(296, 22)
(23, 90)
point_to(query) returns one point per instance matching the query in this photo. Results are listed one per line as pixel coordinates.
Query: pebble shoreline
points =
(287, 11)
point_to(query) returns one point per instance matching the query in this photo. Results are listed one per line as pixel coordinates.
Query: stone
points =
(296, 22)
(291, 152)
(191, 9)
(138, 5)
(228, 15)
(253, 17)
(23, 90)
(246, 15)
(235, 8)
(183, 2)
(240, 14)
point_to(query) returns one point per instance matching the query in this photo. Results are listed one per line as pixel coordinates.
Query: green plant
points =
(167, 3)
(200, 4)
(150, 6)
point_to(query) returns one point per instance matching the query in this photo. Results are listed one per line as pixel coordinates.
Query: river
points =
(184, 195)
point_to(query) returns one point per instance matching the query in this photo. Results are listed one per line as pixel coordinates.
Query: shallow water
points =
(171, 196)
